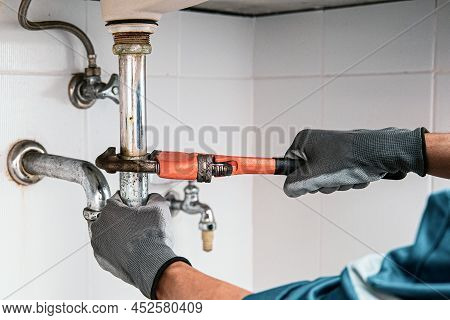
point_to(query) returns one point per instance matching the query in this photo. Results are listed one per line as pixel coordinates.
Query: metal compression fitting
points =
(132, 48)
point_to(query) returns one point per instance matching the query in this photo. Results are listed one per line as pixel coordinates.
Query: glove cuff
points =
(160, 272)
(418, 163)
(424, 151)
(395, 151)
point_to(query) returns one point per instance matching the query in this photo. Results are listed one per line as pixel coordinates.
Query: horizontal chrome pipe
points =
(82, 172)
(28, 162)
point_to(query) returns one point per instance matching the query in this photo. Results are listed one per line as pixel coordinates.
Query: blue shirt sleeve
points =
(303, 290)
(419, 271)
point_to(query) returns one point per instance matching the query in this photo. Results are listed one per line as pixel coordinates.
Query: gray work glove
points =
(342, 160)
(135, 244)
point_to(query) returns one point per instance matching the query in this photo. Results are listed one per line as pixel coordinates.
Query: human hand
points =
(342, 160)
(135, 244)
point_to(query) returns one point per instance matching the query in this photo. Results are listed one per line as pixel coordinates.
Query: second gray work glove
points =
(135, 244)
(342, 160)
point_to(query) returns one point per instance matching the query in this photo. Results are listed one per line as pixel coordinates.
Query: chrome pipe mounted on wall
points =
(29, 162)
(132, 48)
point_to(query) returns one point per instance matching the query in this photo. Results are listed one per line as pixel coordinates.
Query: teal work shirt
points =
(419, 271)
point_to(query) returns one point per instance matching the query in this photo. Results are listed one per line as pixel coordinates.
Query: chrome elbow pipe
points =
(28, 163)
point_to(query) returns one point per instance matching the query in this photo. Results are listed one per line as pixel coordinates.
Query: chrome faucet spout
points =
(191, 205)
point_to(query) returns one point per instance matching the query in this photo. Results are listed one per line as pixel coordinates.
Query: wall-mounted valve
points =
(192, 205)
(84, 88)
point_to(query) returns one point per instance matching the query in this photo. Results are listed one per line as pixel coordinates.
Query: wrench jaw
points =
(112, 163)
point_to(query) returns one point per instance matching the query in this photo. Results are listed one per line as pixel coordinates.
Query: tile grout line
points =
(433, 95)
(322, 118)
(87, 145)
(253, 110)
(178, 82)
(237, 78)
(347, 75)
(433, 73)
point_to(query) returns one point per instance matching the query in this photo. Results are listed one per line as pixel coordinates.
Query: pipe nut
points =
(92, 71)
(126, 48)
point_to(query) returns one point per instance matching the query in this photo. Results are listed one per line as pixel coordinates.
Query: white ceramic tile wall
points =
(442, 117)
(49, 52)
(288, 45)
(34, 71)
(272, 209)
(36, 233)
(443, 41)
(223, 71)
(208, 51)
(399, 85)
(351, 34)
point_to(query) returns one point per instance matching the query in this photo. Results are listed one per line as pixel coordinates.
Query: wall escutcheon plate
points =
(15, 165)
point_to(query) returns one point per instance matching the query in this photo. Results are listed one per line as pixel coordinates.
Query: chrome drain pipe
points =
(132, 48)
(28, 163)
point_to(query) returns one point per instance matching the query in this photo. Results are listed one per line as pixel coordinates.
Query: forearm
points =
(438, 154)
(182, 282)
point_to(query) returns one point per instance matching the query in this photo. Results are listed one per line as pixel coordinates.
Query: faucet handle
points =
(110, 90)
(174, 200)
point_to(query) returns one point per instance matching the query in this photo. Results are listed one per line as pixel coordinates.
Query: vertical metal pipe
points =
(133, 139)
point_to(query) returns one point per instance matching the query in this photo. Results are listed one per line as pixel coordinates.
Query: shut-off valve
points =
(84, 88)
